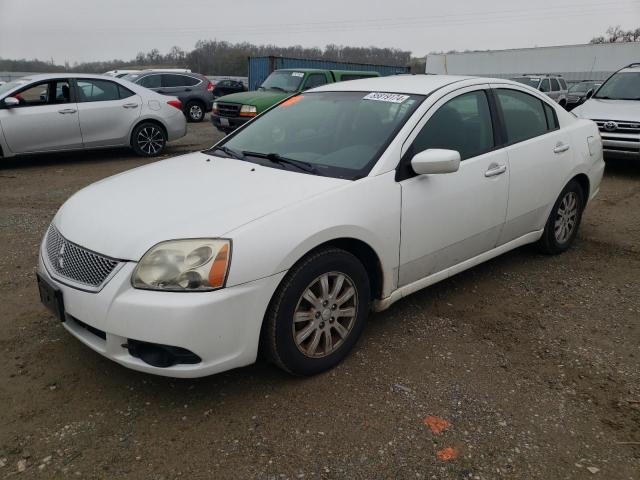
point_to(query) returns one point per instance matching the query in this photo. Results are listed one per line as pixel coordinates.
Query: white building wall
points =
(573, 62)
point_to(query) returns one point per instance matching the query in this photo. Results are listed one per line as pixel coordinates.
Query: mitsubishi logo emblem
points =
(61, 257)
(610, 126)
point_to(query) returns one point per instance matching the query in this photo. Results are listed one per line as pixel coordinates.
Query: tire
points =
(319, 324)
(148, 139)
(194, 111)
(564, 220)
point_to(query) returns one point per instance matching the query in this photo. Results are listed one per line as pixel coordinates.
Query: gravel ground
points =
(526, 367)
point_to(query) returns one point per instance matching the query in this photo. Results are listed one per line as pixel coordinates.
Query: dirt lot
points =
(532, 360)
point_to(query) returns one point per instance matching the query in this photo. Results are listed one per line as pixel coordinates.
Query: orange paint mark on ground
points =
(447, 454)
(436, 424)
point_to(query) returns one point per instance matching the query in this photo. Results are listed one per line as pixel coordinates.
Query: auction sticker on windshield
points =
(297, 74)
(386, 97)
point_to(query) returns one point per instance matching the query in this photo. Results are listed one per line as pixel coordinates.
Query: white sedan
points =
(339, 200)
(59, 112)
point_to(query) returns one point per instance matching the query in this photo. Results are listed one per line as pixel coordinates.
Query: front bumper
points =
(220, 327)
(233, 122)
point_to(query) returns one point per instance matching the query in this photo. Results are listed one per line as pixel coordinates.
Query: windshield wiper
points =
(230, 152)
(278, 88)
(277, 158)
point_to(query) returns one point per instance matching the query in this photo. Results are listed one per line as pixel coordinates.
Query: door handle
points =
(187, 89)
(159, 91)
(561, 147)
(67, 110)
(130, 105)
(495, 169)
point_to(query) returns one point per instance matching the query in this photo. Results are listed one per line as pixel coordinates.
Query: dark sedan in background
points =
(227, 87)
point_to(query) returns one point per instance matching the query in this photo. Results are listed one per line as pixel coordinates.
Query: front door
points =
(449, 218)
(45, 120)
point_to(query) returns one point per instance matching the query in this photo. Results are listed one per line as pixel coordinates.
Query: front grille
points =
(228, 109)
(75, 263)
(620, 126)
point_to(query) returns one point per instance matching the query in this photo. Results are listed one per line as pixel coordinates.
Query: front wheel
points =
(563, 222)
(148, 139)
(318, 312)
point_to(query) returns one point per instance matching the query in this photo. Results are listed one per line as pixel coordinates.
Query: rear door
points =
(449, 218)
(538, 157)
(45, 120)
(107, 112)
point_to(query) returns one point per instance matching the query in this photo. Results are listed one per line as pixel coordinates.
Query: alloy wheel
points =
(325, 314)
(150, 140)
(566, 217)
(195, 112)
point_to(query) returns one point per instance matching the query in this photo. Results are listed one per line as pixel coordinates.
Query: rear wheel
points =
(318, 312)
(563, 222)
(195, 111)
(148, 139)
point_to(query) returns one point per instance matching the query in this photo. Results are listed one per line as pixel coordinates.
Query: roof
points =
(47, 76)
(411, 84)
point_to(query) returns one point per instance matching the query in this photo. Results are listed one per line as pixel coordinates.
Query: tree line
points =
(213, 57)
(617, 34)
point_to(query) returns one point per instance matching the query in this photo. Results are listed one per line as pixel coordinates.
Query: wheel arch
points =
(363, 252)
(584, 182)
(147, 120)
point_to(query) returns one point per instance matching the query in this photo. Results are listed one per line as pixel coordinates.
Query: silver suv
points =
(553, 86)
(615, 107)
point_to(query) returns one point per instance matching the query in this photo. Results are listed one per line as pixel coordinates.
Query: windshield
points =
(337, 134)
(582, 87)
(283, 81)
(532, 82)
(621, 86)
(10, 86)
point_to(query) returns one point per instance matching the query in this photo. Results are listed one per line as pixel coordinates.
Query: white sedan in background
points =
(59, 112)
(284, 235)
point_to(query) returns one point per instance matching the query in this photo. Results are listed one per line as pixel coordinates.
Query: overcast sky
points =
(85, 30)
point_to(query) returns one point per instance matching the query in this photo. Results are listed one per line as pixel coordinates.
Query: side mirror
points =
(589, 94)
(11, 102)
(435, 160)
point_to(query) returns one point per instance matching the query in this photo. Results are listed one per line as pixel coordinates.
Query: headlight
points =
(215, 106)
(248, 111)
(196, 265)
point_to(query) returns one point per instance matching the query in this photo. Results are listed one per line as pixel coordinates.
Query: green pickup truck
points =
(232, 111)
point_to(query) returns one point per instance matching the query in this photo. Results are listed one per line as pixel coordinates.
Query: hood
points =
(620, 110)
(262, 99)
(183, 197)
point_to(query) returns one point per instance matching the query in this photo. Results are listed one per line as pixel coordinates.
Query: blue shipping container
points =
(261, 67)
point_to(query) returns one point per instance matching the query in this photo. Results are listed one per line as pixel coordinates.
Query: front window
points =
(337, 134)
(283, 81)
(621, 86)
(10, 86)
